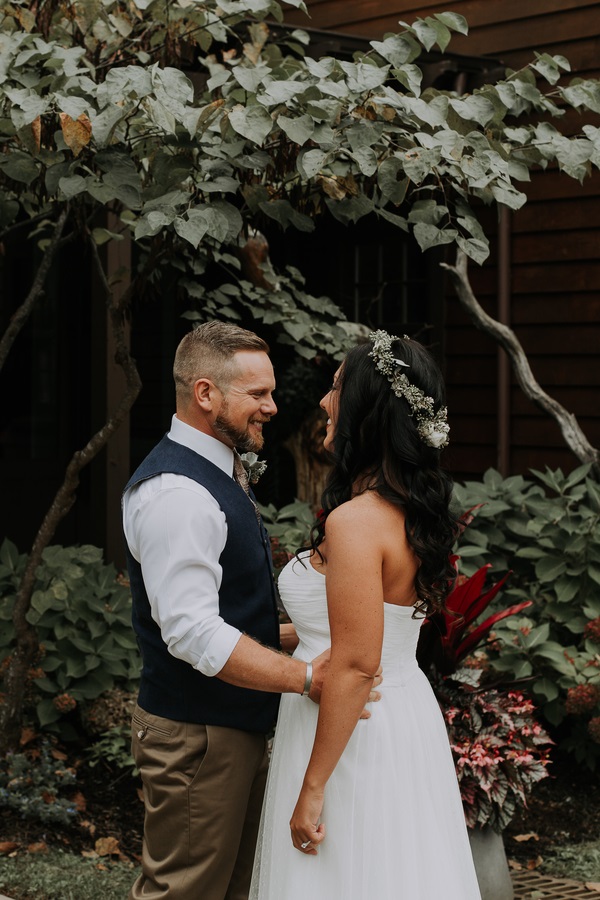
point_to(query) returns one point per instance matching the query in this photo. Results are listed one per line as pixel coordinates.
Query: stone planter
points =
(491, 865)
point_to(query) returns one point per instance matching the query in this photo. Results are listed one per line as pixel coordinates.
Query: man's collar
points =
(212, 449)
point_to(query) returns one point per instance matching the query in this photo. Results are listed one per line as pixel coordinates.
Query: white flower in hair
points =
(432, 426)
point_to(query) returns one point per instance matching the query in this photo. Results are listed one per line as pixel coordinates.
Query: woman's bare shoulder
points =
(368, 511)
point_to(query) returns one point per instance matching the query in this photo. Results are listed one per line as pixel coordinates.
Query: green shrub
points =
(288, 527)
(548, 532)
(82, 613)
(114, 750)
(31, 784)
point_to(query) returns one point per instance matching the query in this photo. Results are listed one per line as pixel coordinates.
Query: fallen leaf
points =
(101, 867)
(7, 847)
(526, 837)
(57, 754)
(40, 847)
(27, 735)
(513, 864)
(107, 846)
(89, 826)
(89, 854)
(534, 863)
(593, 886)
(79, 802)
(47, 797)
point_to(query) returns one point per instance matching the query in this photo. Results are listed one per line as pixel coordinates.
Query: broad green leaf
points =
(47, 712)
(362, 77)
(392, 183)
(252, 122)
(454, 21)
(508, 195)
(366, 159)
(284, 213)
(475, 108)
(397, 49)
(545, 688)
(429, 236)
(549, 568)
(280, 92)
(251, 77)
(9, 555)
(19, 166)
(151, 223)
(311, 162)
(411, 77)
(72, 185)
(350, 210)
(299, 129)
(192, 228)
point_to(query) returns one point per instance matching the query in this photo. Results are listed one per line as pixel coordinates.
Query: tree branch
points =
(26, 647)
(19, 318)
(572, 433)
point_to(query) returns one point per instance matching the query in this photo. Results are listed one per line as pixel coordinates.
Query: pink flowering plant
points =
(499, 748)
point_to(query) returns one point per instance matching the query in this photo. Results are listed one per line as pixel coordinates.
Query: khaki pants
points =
(203, 790)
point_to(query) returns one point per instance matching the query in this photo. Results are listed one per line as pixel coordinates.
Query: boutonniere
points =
(254, 466)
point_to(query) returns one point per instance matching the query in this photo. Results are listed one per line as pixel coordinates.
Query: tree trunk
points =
(27, 645)
(574, 437)
(21, 315)
(311, 460)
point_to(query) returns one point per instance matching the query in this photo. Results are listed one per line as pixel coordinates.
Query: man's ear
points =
(206, 394)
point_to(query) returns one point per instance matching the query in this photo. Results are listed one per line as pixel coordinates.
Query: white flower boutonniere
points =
(254, 466)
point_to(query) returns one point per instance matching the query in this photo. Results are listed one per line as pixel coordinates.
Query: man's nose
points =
(270, 407)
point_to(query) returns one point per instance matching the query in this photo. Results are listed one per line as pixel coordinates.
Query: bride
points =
(374, 804)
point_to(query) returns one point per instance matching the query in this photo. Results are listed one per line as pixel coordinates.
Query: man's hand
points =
(320, 667)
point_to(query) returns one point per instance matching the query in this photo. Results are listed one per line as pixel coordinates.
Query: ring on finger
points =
(305, 844)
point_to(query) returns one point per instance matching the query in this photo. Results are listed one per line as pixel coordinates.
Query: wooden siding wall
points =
(554, 243)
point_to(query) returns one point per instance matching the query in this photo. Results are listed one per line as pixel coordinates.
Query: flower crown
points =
(432, 426)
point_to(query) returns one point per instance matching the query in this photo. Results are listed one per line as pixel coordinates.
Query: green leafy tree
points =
(181, 127)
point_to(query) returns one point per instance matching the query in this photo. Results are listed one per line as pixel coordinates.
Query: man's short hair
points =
(208, 352)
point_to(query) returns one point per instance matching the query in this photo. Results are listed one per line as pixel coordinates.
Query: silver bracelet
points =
(307, 680)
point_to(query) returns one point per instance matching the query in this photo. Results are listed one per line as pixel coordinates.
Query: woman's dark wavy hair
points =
(377, 444)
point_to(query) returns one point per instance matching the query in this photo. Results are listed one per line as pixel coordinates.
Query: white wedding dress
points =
(395, 828)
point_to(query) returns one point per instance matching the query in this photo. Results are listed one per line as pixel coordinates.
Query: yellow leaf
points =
(77, 133)
(107, 846)
(526, 837)
(7, 847)
(39, 847)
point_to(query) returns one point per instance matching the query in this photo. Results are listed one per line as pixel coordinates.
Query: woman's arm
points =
(288, 637)
(355, 604)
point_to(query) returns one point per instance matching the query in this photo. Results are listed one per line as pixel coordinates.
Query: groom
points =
(205, 615)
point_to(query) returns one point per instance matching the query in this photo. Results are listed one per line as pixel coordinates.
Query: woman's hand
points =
(307, 834)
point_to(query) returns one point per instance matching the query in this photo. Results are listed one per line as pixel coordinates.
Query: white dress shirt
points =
(177, 531)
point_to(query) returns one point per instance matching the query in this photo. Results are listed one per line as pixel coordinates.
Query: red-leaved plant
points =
(499, 749)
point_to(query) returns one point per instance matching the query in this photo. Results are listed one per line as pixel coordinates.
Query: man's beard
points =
(242, 439)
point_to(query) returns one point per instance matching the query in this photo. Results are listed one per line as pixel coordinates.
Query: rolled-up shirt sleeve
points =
(177, 532)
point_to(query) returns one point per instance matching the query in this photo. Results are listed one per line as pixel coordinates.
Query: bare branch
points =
(19, 318)
(26, 647)
(503, 335)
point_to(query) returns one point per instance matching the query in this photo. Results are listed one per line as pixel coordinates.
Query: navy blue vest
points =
(171, 687)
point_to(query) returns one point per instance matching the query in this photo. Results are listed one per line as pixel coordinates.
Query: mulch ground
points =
(564, 809)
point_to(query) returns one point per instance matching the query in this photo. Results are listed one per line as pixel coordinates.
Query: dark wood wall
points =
(553, 246)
